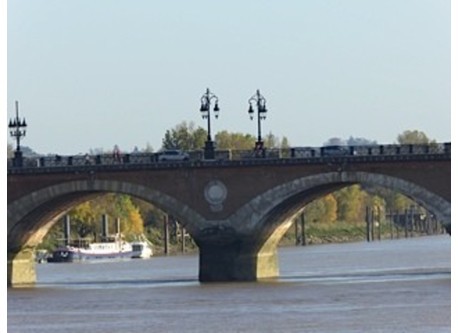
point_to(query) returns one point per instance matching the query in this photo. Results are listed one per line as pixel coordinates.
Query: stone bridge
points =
(236, 210)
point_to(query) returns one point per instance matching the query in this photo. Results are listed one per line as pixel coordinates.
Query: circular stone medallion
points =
(215, 193)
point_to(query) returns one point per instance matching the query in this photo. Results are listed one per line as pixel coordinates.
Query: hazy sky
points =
(92, 74)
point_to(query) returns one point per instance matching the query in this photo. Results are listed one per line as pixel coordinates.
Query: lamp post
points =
(206, 99)
(260, 102)
(17, 130)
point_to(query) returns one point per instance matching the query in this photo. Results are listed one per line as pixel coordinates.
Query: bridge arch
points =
(31, 217)
(271, 213)
(262, 222)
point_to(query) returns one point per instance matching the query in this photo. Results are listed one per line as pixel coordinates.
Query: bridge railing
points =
(309, 153)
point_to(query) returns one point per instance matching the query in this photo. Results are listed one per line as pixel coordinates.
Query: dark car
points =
(335, 151)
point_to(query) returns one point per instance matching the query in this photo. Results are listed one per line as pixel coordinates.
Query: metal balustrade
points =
(267, 155)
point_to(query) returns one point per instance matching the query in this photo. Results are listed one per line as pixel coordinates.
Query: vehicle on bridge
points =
(336, 151)
(172, 155)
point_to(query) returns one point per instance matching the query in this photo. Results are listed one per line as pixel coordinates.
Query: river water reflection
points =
(389, 286)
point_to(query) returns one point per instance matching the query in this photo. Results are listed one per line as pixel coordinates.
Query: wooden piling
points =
(67, 230)
(368, 226)
(304, 240)
(296, 231)
(183, 239)
(166, 234)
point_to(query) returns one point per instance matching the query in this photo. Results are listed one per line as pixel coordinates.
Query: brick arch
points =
(31, 217)
(271, 213)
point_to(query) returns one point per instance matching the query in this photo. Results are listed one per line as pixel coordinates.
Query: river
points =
(389, 286)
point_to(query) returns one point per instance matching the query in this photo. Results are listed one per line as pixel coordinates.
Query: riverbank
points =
(341, 232)
(314, 234)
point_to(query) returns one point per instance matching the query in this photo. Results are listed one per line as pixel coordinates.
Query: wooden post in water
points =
(429, 229)
(296, 231)
(406, 224)
(304, 240)
(379, 223)
(118, 226)
(372, 224)
(368, 225)
(412, 221)
(166, 234)
(391, 223)
(104, 227)
(67, 229)
(436, 225)
(183, 239)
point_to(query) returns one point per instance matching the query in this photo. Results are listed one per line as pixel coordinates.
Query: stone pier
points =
(236, 262)
(21, 268)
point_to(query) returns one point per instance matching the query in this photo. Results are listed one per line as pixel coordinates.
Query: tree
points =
(272, 141)
(9, 151)
(86, 217)
(284, 143)
(184, 136)
(226, 140)
(351, 203)
(322, 210)
(135, 221)
(83, 218)
(330, 208)
(413, 137)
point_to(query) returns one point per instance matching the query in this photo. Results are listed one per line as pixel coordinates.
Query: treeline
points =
(186, 136)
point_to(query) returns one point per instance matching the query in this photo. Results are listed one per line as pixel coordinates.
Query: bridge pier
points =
(236, 262)
(21, 268)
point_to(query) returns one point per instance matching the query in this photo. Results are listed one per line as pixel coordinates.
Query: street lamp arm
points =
(205, 101)
(261, 106)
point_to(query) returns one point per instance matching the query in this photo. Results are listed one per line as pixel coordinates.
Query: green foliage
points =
(323, 210)
(86, 218)
(272, 141)
(351, 202)
(152, 216)
(53, 239)
(226, 140)
(413, 137)
(184, 136)
(9, 151)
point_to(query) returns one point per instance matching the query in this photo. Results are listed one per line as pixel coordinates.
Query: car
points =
(172, 155)
(335, 151)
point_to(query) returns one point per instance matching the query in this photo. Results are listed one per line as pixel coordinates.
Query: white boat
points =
(141, 250)
(113, 247)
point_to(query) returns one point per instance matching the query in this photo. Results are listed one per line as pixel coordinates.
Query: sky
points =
(93, 74)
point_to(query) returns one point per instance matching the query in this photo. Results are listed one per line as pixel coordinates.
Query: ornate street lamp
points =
(260, 102)
(17, 130)
(206, 99)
